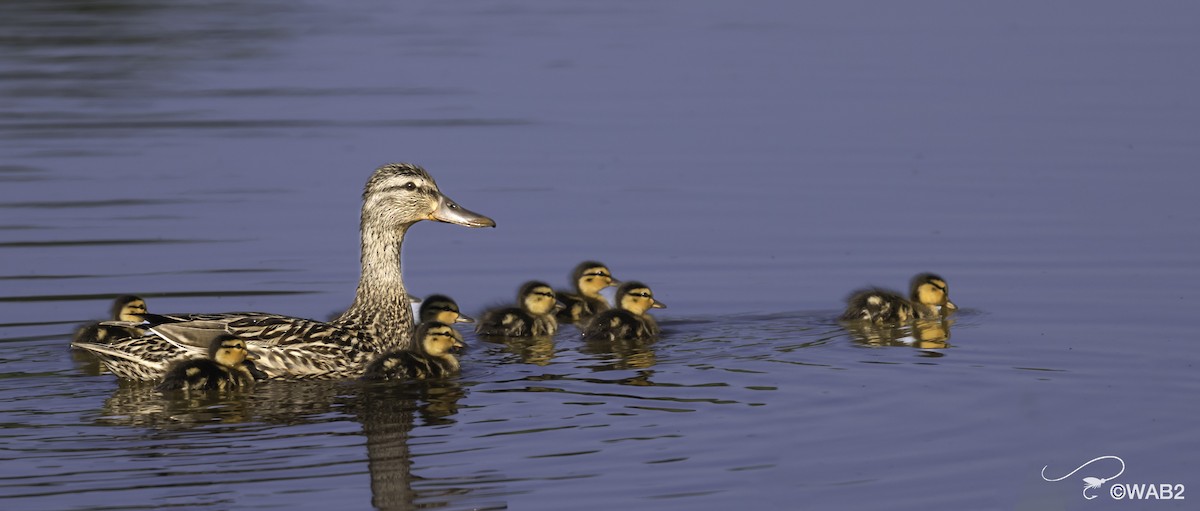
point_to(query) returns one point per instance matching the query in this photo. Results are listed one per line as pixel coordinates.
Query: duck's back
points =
(878, 306)
(515, 322)
(407, 365)
(203, 374)
(619, 325)
(579, 309)
(286, 346)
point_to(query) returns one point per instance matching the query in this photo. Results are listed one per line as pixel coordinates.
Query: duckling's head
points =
(930, 289)
(537, 297)
(400, 194)
(592, 276)
(443, 309)
(439, 339)
(128, 308)
(228, 351)
(637, 298)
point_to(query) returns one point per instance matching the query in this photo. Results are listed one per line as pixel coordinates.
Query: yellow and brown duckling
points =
(631, 321)
(580, 305)
(929, 298)
(443, 309)
(533, 317)
(437, 343)
(228, 366)
(125, 309)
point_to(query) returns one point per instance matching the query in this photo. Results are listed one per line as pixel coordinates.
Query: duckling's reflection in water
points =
(538, 350)
(921, 333)
(617, 354)
(388, 411)
(140, 403)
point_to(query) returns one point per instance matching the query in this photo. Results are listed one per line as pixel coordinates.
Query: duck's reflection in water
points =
(620, 353)
(537, 350)
(922, 333)
(387, 411)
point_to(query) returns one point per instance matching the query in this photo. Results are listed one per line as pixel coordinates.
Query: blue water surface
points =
(753, 162)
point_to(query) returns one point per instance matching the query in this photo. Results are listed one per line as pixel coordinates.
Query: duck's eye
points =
(410, 186)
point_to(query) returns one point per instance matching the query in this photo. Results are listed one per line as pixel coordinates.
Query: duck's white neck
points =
(381, 261)
(381, 303)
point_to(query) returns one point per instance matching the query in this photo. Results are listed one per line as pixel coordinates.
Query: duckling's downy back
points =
(534, 317)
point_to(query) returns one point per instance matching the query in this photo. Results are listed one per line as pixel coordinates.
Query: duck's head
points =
(443, 309)
(537, 297)
(439, 339)
(930, 289)
(128, 308)
(401, 194)
(637, 298)
(228, 351)
(592, 276)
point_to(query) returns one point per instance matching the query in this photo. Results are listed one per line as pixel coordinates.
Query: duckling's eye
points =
(641, 295)
(410, 186)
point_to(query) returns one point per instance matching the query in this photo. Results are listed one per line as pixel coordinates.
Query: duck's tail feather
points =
(124, 364)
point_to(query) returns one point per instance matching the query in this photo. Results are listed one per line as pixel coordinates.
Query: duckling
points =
(228, 366)
(532, 318)
(443, 309)
(126, 309)
(437, 343)
(929, 297)
(588, 278)
(631, 321)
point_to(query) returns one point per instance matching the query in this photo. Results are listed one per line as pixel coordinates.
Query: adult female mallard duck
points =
(227, 366)
(443, 309)
(533, 317)
(125, 309)
(434, 359)
(629, 322)
(588, 278)
(929, 298)
(396, 196)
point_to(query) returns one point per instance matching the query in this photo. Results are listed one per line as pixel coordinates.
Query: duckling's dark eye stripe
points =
(542, 293)
(596, 274)
(643, 295)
